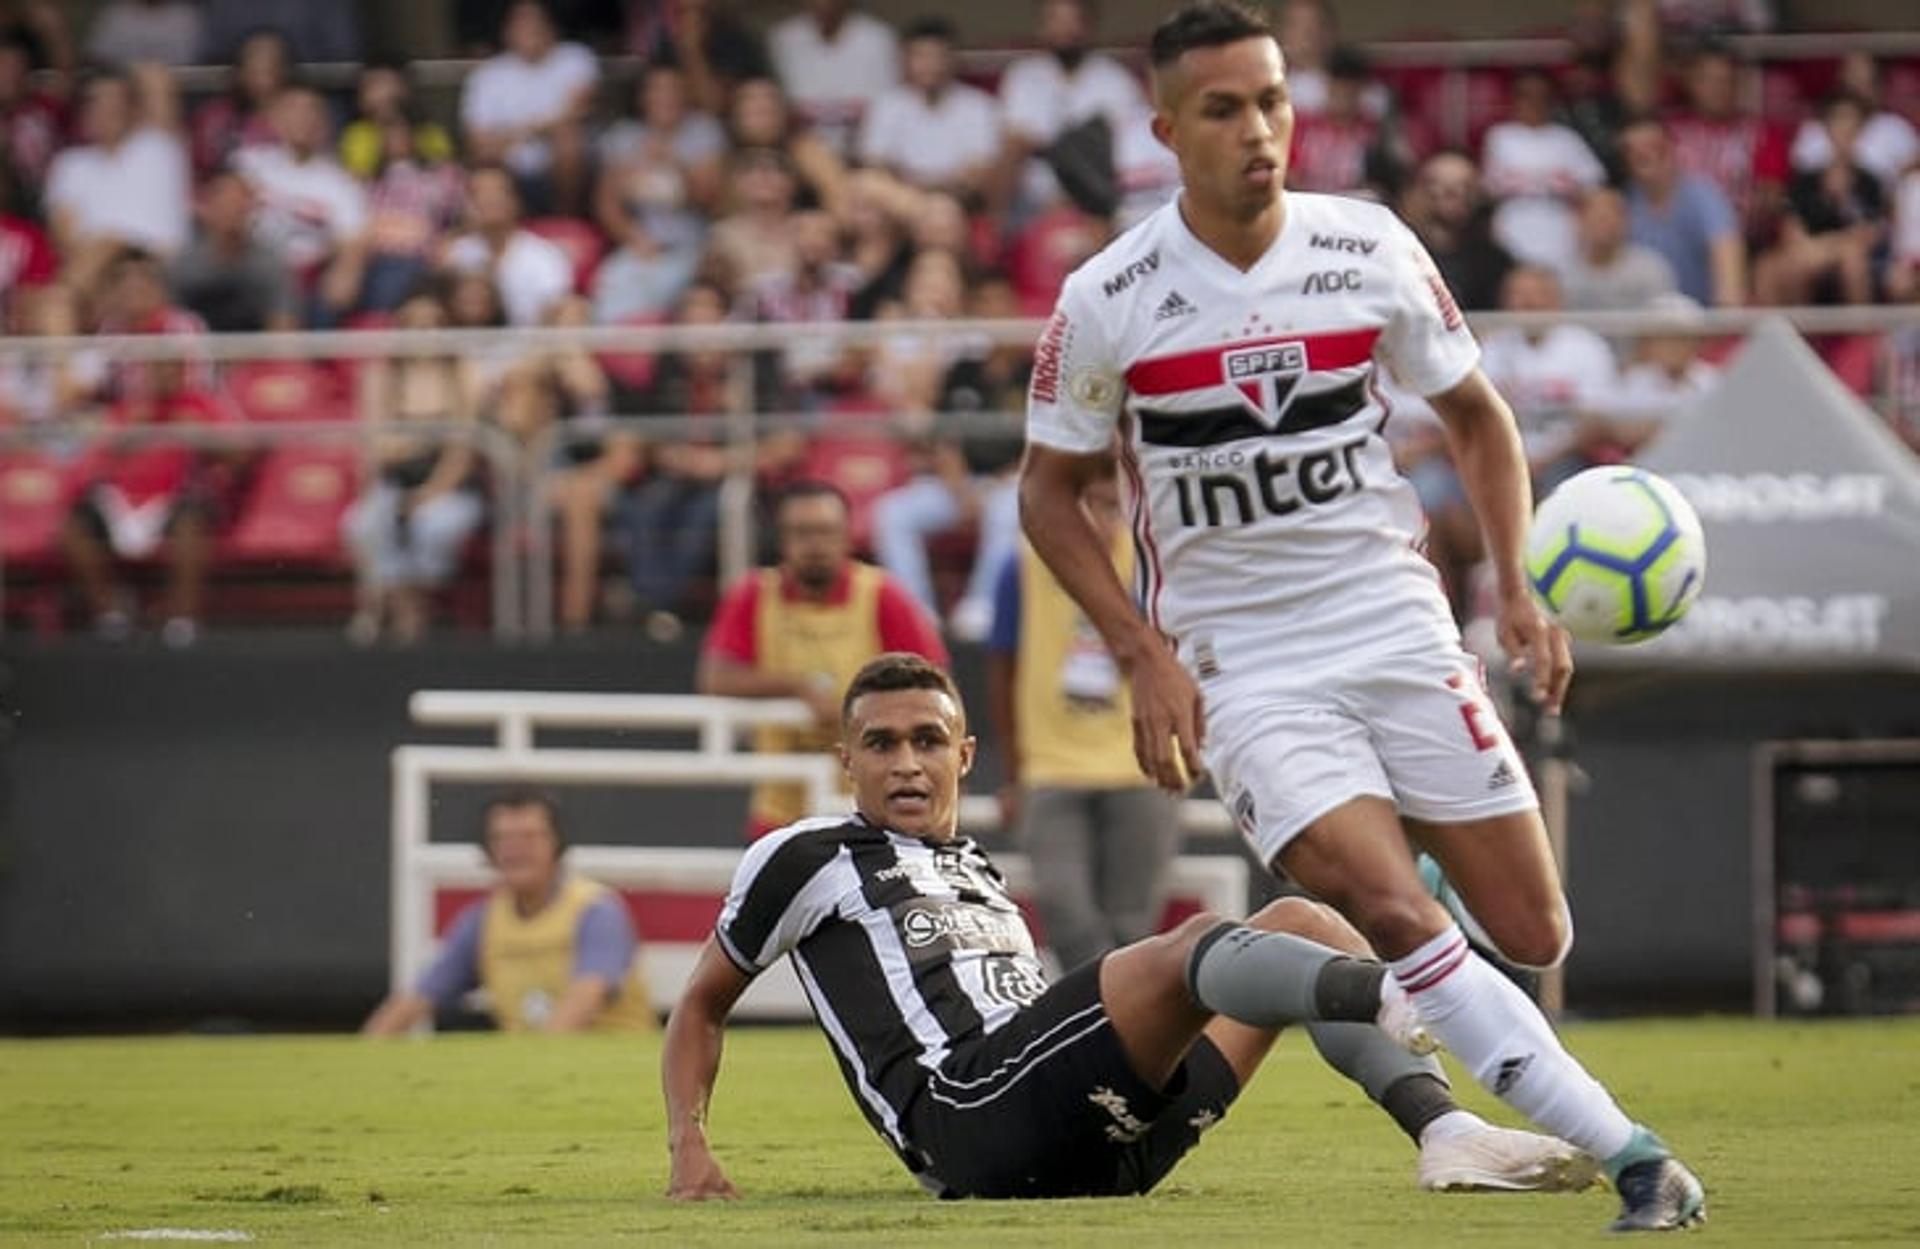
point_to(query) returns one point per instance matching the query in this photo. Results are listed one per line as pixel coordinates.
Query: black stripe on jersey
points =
(938, 985)
(1210, 427)
(853, 990)
(779, 882)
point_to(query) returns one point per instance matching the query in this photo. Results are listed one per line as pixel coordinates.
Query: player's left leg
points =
(1462, 793)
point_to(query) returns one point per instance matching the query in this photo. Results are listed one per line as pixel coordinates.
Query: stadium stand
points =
(1741, 104)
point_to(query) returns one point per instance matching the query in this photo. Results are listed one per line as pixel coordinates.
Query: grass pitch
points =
(1805, 1134)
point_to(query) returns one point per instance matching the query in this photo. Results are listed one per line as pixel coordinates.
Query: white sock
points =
(1502, 1038)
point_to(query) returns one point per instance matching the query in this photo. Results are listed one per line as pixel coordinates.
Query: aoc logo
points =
(1331, 282)
(1266, 377)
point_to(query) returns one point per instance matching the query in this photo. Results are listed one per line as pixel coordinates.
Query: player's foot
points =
(1658, 1195)
(1399, 1018)
(1484, 1158)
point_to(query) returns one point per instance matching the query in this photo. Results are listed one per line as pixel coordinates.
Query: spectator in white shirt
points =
(1888, 142)
(313, 213)
(167, 31)
(834, 63)
(1903, 265)
(1060, 88)
(933, 131)
(1552, 376)
(526, 108)
(531, 273)
(1537, 169)
(1610, 270)
(128, 185)
(1667, 376)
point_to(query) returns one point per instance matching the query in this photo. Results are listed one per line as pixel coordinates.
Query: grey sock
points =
(1413, 1090)
(1271, 979)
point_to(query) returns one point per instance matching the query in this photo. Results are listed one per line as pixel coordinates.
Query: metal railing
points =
(419, 867)
(521, 540)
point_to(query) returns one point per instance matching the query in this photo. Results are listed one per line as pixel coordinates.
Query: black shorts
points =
(1048, 1106)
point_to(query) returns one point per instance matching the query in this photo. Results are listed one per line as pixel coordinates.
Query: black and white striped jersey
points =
(906, 949)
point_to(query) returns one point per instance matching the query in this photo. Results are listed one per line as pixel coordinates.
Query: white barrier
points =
(421, 869)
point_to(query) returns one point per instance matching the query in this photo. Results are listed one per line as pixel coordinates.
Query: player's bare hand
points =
(1537, 647)
(697, 1176)
(1168, 720)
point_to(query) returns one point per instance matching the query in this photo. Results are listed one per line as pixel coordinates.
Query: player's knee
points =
(1176, 947)
(1397, 923)
(1302, 917)
(1539, 942)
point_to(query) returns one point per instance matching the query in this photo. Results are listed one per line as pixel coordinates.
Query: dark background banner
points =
(199, 836)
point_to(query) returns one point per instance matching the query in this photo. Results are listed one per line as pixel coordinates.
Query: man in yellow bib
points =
(802, 630)
(1100, 835)
(554, 951)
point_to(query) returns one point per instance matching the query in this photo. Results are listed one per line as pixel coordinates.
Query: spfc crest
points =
(1266, 377)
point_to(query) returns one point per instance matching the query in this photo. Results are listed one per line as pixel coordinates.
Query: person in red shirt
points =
(136, 498)
(1341, 149)
(802, 629)
(1738, 152)
(26, 256)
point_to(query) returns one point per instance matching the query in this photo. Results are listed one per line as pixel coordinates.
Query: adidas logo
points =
(1503, 776)
(1509, 1073)
(1174, 305)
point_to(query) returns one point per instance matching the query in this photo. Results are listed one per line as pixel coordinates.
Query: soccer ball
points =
(1616, 554)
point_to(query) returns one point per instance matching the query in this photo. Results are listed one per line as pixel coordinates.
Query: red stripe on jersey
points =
(1197, 370)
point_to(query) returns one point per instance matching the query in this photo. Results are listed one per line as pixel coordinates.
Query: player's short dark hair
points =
(896, 670)
(812, 488)
(1205, 24)
(931, 26)
(520, 798)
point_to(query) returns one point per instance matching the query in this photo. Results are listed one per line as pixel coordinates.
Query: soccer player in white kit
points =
(1292, 636)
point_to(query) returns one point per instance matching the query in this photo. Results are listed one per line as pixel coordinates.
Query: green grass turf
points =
(1804, 1133)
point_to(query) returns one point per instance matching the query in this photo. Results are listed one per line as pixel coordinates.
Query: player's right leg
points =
(1355, 857)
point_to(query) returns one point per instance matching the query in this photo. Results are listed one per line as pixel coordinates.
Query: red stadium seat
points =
(1854, 359)
(285, 390)
(632, 370)
(34, 498)
(1047, 251)
(583, 244)
(292, 510)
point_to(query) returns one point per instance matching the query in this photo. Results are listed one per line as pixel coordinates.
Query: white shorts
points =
(1416, 730)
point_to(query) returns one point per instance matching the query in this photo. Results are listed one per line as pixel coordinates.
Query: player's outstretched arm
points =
(1493, 468)
(689, 1065)
(1167, 721)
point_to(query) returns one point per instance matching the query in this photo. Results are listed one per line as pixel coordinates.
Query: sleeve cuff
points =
(745, 964)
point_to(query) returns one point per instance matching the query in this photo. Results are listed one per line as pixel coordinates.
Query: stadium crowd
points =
(832, 167)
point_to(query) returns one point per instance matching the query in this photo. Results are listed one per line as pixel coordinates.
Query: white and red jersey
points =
(1271, 524)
